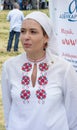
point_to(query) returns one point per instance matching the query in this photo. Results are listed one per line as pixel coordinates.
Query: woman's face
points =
(32, 37)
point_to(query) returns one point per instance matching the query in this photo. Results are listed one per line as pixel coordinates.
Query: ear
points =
(45, 46)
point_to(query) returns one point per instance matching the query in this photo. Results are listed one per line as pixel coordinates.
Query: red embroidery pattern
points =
(42, 80)
(43, 66)
(41, 94)
(27, 67)
(25, 80)
(25, 94)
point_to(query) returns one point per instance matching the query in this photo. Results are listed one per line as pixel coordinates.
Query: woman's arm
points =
(6, 95)
(70, 97)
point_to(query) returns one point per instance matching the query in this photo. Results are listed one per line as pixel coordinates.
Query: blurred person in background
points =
(15, 17)
(43, 4)
(1, 4)
(20, 2)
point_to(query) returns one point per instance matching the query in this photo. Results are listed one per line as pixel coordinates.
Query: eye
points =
(33, 31)
(23, 31)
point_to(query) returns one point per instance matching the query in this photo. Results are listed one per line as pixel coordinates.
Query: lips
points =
(27, 45)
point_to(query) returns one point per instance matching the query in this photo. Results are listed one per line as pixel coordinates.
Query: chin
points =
(27, 49)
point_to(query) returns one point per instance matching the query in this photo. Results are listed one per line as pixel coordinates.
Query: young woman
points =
(39, 88)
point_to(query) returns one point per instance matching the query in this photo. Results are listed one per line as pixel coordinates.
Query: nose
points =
(27, 36)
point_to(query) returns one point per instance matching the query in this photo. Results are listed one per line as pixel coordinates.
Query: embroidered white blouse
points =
(50, 105)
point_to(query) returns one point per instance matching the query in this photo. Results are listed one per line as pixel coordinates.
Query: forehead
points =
(30, 23)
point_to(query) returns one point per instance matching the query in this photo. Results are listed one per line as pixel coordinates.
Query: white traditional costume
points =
(52, 103)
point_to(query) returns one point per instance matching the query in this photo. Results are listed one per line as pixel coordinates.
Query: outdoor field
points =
(4, 33)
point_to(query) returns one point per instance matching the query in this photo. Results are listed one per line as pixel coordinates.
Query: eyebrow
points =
(30, 28)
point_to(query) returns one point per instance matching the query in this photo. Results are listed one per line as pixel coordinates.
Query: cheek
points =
(20, 37)
(39, 41)
(38, 44)
(36, 41)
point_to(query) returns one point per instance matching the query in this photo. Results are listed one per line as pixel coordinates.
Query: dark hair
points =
(44, 33)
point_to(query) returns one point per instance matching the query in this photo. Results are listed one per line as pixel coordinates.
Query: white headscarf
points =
(46, 23)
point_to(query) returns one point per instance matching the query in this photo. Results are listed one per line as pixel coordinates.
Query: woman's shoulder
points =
(15, 59)
(60, 61)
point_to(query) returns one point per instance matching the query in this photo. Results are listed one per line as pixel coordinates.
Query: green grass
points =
(4, 55)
